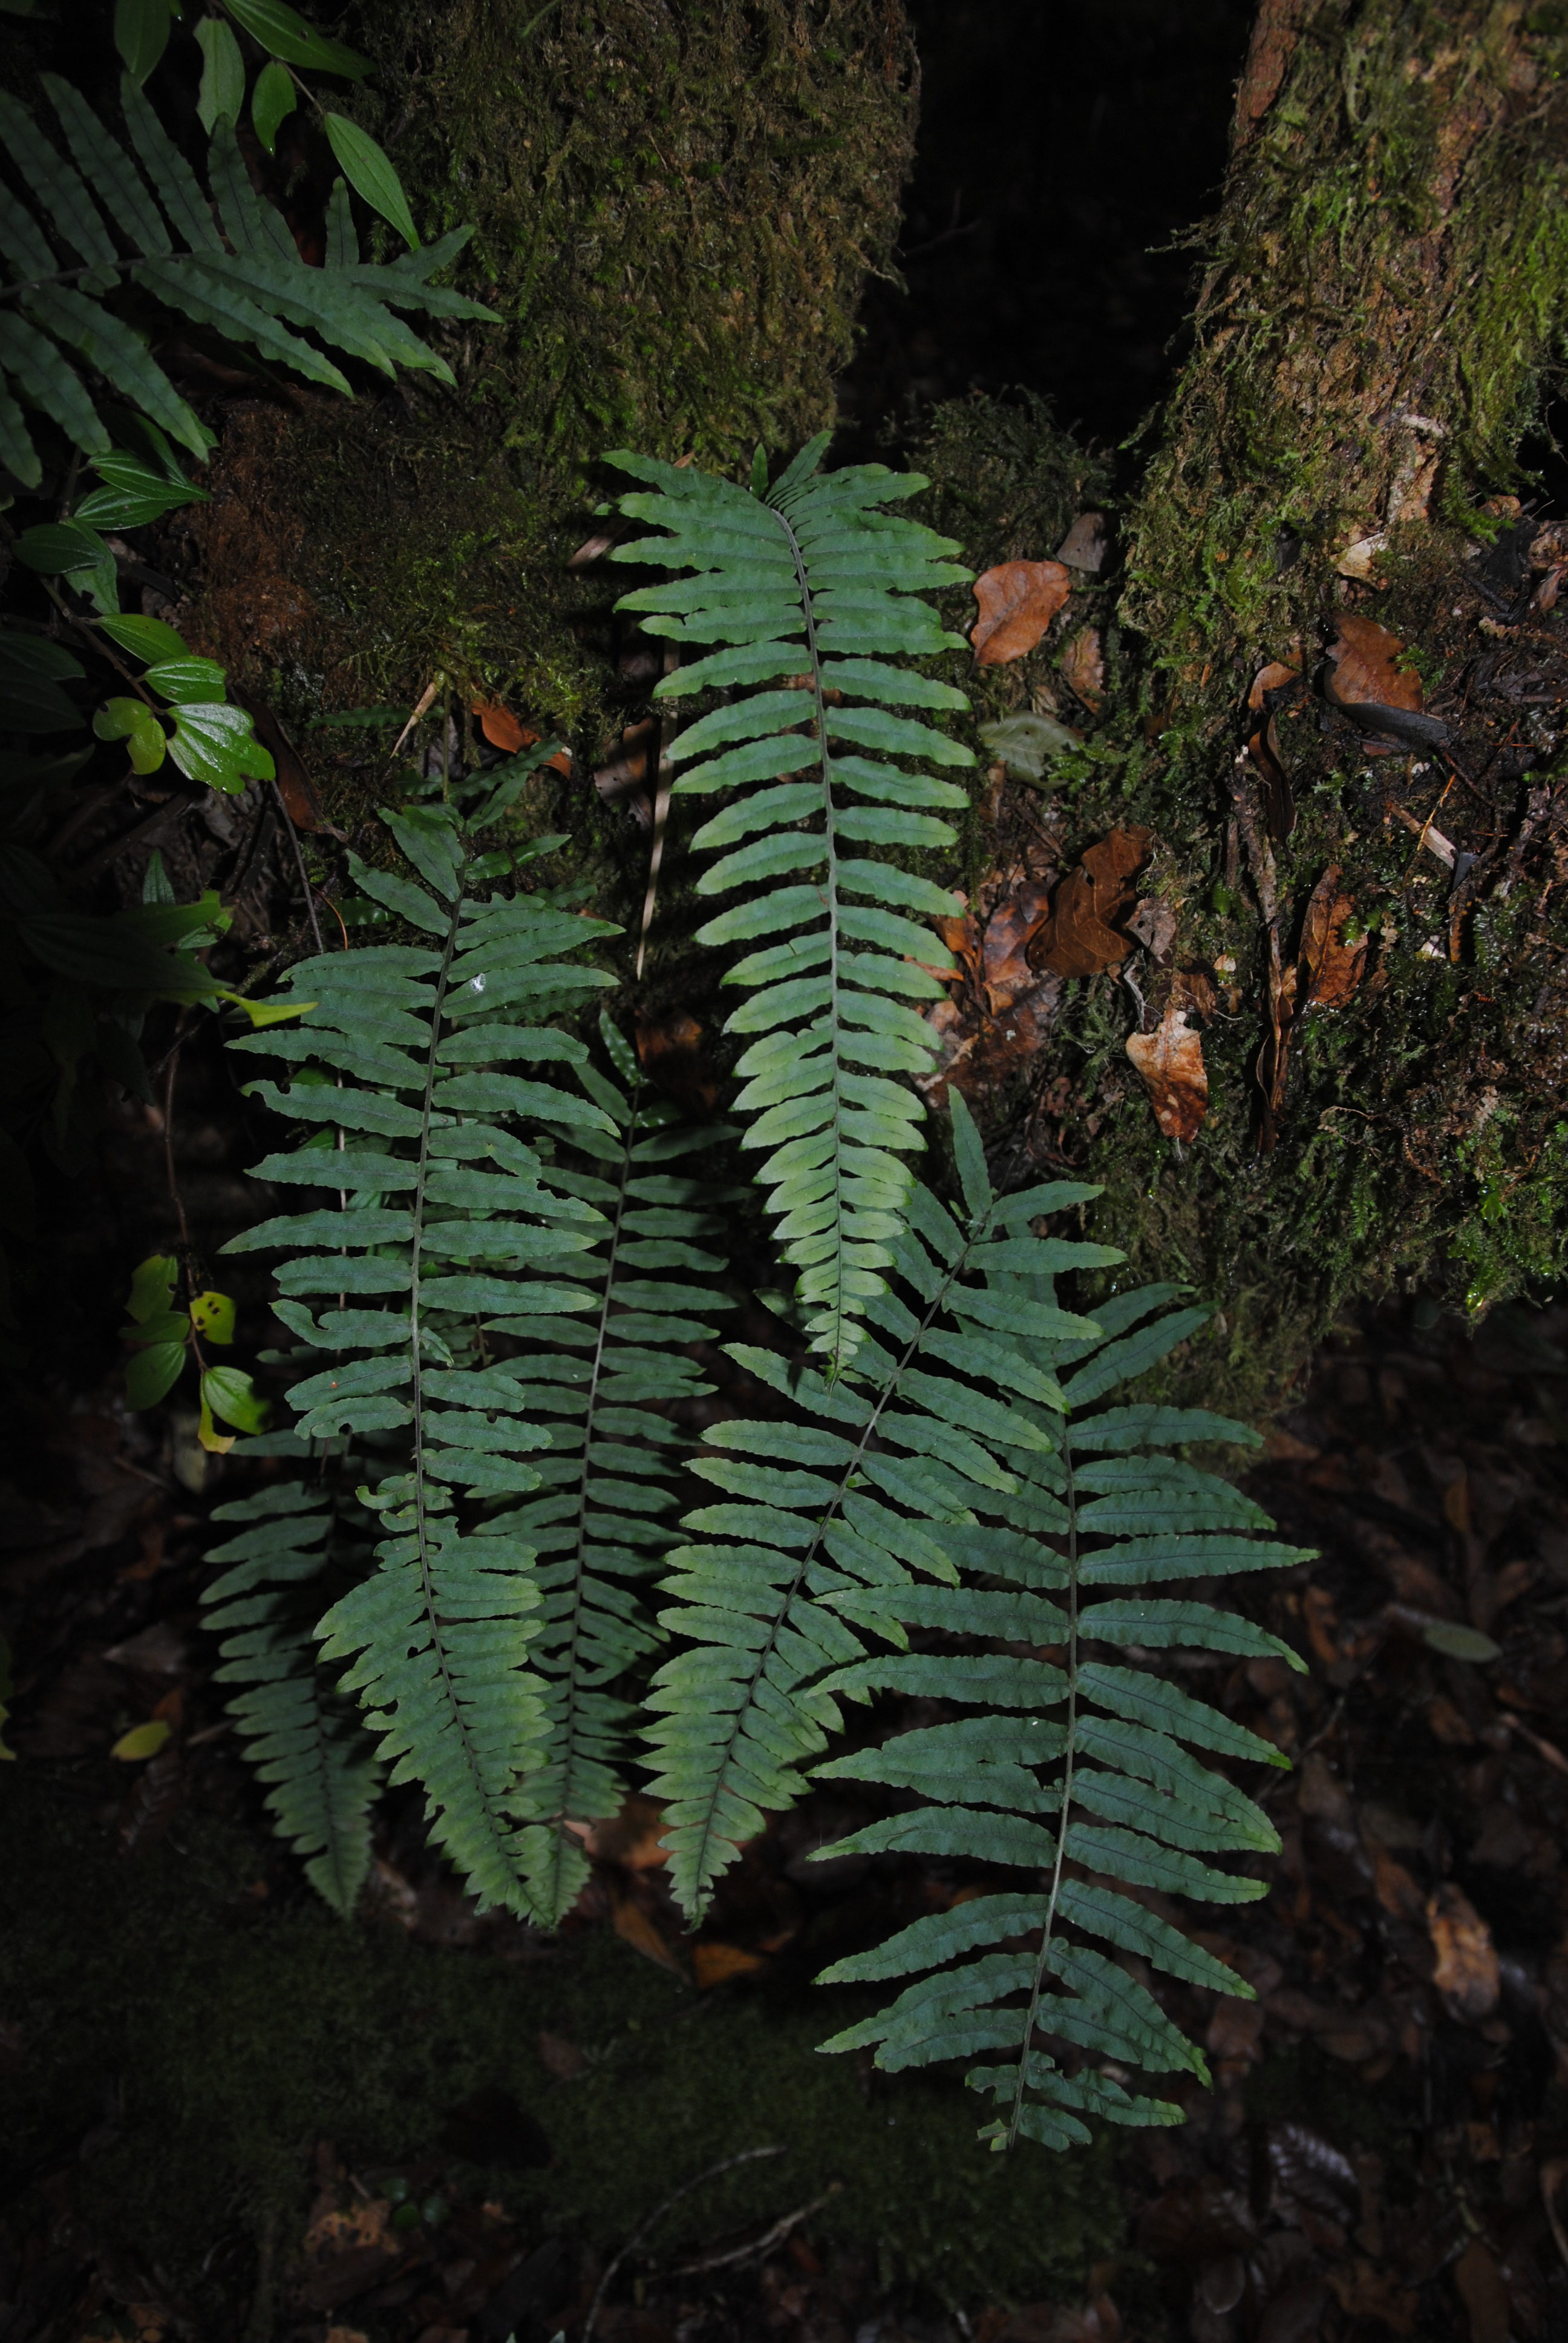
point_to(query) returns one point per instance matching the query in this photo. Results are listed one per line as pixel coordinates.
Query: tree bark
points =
(1380, 306)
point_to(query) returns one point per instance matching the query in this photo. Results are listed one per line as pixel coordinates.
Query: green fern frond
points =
(406, 1063)
(829, 1524)
(816, 589)
(302, 1739)
(1078, 1763)
(601, 1376)
(104, 215)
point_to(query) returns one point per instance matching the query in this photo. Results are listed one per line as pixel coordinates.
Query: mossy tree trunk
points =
(1382, 302)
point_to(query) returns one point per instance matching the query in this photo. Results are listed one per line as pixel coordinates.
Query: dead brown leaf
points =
(715, 1963)
(1482, 2292)
(1171, 1060)
(1009, 931)
(1329, 968)
(634, 1926)
(1362, 673)
(560, 2058)
(502, 731)
(1084, 545)
(670, 1051)
(1083, 667)
(1080, 938)
(1018, 600)
(1366, 2292)
(1467, 1973)
(501, 728)
(634, 1837)
(1364, 681)
(1154, 923)
(1272, 678)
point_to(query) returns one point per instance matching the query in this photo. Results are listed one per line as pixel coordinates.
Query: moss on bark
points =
(1380, 309)
(675, 208)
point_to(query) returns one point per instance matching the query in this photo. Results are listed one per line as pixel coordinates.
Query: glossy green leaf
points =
(144, 638)
(213, 742)
(152, 1285)
(233, 1397)
(133, 494)
(152, 1373)
(369, 172)
(272, 101)
(141, 34)
(212, 1315)
(221, 96)
(284, 33)
(134, 722)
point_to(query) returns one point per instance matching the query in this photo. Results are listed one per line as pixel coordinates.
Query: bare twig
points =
(758, 2246)
(304, 874)
(725, 2164)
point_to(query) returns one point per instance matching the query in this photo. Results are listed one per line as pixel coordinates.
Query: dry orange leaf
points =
(501, 728)
(1331, 968)
(1079, 939)
(1083, 667)
(1171, 1060)
(1467, 1973)
(1018, 600)
(634, 1837)
(1007, 933)
(1483, 2293)
(502, 731)
(713, 1964)
(633, 1925)
(1362, 671)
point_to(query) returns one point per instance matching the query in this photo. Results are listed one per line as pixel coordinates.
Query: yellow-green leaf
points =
(143, 1740)
(152, 1287)
(212, 1315)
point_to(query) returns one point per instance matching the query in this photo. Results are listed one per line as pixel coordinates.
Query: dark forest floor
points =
(229, 2115)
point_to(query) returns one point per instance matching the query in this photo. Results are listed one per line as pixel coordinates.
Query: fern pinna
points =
(813, 583)
(599, 1374)
(304, 1739)
(244, 279)
(442, 1220)
(946, 1511)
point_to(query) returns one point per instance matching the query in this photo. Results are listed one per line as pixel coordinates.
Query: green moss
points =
(674, 209)
(239, 2041)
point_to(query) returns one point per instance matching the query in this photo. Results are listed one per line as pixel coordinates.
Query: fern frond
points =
(1102, 1749)
(815, 584)
(856, 1517)
(105, 214)
(302, 1739)
(601, 1377)
(405, 1062)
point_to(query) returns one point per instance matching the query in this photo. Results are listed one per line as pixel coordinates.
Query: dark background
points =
(1063, 151)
